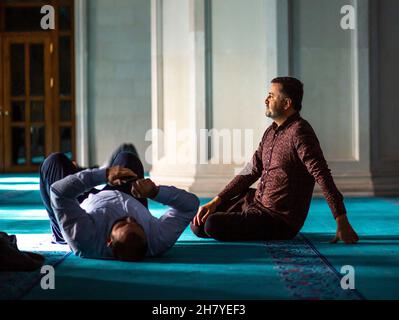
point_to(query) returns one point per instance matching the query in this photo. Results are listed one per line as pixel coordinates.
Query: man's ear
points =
(288, 103)
(109, 242)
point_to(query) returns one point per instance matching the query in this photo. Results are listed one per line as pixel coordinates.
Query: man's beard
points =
(273, 115)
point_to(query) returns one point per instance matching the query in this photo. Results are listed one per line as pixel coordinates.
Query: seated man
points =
(288, 162)
(115, 222)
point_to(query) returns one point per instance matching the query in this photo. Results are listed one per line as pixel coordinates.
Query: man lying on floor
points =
(113, 223)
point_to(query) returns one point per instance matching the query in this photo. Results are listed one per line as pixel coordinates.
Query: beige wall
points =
(387, 106)
(177, 84)
(322, 57)
(119, 71)
(239, 55)
(385, 103)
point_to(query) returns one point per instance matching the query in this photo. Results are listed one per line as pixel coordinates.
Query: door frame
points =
(77, 33)
(27, 38)
(2, 100)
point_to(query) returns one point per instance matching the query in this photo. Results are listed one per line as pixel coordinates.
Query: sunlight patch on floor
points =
(39, 242)
(19, 180)
(16, 213)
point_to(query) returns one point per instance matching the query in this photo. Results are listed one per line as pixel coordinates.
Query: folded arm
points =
(77, 226)
(183, 207)
(240, 183)
(249, 175)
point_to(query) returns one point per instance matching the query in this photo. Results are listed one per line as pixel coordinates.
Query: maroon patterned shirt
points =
(288, 161)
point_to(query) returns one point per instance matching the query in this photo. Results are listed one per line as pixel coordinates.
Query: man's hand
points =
(345, 231)
(117, 175)
(205, 211)
(144, 188)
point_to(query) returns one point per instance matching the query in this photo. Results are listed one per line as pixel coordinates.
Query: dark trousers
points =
(242, 219)
(57, 166)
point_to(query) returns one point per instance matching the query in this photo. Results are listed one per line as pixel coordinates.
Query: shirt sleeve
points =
(183, 207)
(309, 151)
(249, 175)
(76, 224)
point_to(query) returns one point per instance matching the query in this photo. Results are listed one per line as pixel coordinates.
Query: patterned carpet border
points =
(306, 273)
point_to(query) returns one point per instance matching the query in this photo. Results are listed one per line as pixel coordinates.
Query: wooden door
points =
(37, 90)
(27, 110)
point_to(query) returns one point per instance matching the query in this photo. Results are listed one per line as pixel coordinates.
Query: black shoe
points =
(12, 259)
(8, 240)
(57, 241)
(125, 147)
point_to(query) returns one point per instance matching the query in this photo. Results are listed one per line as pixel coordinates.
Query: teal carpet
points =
(19, 189)
(376, 257)
(306, 268)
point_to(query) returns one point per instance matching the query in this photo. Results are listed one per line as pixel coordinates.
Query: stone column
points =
(178, 89)
(81, 109)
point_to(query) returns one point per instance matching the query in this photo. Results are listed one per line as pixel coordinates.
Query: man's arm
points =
(183, 206)
(310, 153)
(77, 226)
(250, 174)
(241, 182)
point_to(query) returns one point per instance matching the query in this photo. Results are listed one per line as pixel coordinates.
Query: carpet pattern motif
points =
(305, 273)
